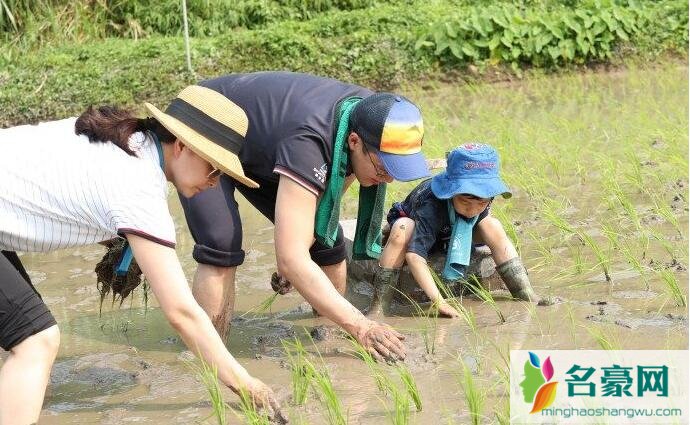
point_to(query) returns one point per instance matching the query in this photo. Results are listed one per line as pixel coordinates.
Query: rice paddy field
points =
(598, 164)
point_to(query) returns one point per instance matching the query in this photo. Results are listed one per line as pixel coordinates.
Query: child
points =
(446, 213)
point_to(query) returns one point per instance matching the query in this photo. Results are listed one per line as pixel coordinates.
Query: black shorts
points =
(214, 221)
(22, 311)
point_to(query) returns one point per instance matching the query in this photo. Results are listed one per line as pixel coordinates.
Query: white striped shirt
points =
(58, 190)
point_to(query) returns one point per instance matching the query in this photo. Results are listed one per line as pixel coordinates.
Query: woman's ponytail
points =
(115, 125)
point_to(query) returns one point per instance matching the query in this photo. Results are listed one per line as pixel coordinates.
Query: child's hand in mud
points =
(263, 397)
(280, 284)
(446, 310)
(383, 342)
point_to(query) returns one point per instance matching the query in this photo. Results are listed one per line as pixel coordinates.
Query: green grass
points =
(345, 44)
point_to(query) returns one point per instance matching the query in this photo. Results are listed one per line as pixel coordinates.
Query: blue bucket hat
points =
(471, 169)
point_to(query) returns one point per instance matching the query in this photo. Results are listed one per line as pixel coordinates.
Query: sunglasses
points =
(379, 171)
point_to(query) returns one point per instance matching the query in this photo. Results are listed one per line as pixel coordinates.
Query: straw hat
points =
(209, 124)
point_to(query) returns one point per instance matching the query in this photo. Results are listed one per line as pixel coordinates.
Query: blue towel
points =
(459, 245)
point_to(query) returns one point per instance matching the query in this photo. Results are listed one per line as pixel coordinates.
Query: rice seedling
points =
(484, 295)
(611, 235)
(532, 312)
(636, 264)
(263, 306)
(625, 202)
(401, 399)
(571, 320)
(672, 288)
(578, 260)
(662, 208)
(550, 212)
(635, 175)
(547, 255)
(502, 367)
(503, 415)
(430, 329)
(474, 397)
(323, 386)
(502, 215)
(665, 243)
(447, 294)
(605, 340)
(430, 319)
(603, 260)
(400, 413)
(302, 370)
(250, 412)
(374, 369)
(643, 241)
(410, 385)
(209, 378)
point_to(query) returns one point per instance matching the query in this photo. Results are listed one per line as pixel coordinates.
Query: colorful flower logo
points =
(536, 387)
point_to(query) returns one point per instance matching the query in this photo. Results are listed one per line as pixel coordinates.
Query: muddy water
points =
(128, 365)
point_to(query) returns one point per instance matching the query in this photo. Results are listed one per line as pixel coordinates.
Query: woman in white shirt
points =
(64, 184)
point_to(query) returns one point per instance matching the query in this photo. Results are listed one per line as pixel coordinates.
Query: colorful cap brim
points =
(445, 188)
(405, 168)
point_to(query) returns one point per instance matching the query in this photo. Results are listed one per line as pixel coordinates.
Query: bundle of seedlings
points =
(109, 280)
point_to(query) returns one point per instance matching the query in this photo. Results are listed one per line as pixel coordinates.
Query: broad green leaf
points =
(456, 51)
(542, 41)
(440, 47)
(470, 51)
(621, 33)
(554, 52)
(572, 24)
(515, 52)
(450, 30)
(477, 26)
(423, 43)
(494, 42)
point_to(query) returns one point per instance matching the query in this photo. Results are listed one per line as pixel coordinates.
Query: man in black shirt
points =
(290, 153)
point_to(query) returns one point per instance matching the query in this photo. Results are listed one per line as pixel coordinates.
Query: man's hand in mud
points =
(280, 284)
(383, 342)
(262, 396)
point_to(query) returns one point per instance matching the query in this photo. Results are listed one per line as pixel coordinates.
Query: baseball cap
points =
(393, 126)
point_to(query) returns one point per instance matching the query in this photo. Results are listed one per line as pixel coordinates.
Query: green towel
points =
(459, 245)
(367, 243)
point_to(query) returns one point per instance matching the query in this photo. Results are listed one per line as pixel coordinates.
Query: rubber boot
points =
(515, 277)
(385, 282)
